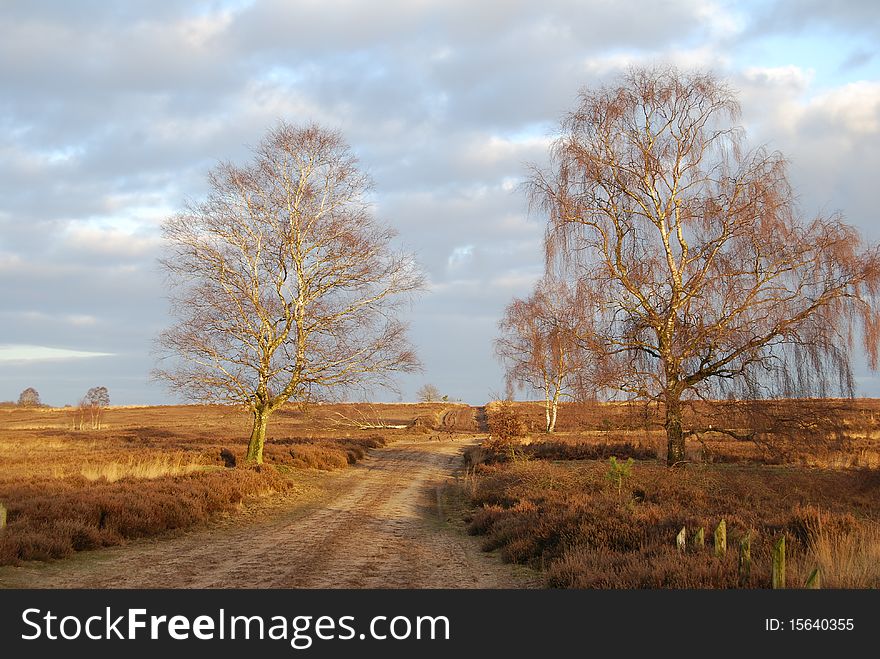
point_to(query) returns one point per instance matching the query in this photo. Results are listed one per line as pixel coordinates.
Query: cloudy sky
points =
(111, 113)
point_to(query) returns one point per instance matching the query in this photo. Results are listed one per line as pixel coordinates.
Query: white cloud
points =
(460, 256)
(854, 107)
(29, 353)
(74, 319)
(791, 77)
(722, 22)
(109, 241)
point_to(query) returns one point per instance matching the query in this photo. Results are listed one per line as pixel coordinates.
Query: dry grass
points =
(847, 557)
(157, 467)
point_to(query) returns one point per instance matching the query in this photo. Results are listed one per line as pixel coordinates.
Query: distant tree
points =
(544, 344)
(98, 396)
(284, 285)
(707, 279)
(92, 406)
(428, 394)
(79, 414)
(29, 398)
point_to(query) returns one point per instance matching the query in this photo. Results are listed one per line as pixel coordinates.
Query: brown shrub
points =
(491, 452)
(506, 425)
(53, 518)
(324, 454)
(557, 450)
(566, 518)
(228, 457)
(475, 455)
(318, 457)
(587, 567)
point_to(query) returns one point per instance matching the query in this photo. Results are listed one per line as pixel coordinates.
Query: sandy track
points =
(464, 419)
(380, 530)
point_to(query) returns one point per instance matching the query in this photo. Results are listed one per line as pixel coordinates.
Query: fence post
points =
(700, 538)
(778, 573)
(814, 581)
(681, 539)
(2, 516)
(721, 538)
(745, 559)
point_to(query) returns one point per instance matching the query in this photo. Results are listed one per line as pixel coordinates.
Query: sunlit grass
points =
(846, 558)
(157, 467)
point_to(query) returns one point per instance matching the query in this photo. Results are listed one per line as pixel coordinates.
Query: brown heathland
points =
(154, 469)
(547, 502)
(555, 503)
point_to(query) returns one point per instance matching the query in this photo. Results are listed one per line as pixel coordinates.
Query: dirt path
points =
(380, 528)
(464, 419)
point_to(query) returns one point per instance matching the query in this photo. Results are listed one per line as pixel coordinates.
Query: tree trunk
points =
(258, 437)
(674, 432)
(551, 426)
(546, 404)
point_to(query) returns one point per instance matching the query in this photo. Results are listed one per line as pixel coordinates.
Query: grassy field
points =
(150, 470)
(549, 502)
(556, 504)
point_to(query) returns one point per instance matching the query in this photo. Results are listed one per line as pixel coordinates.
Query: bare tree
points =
(98, 396)
(544, 344)
(707, 280)
(428, 394)
(79, 414)
(284, 285)
(93, 404)
(30, 397)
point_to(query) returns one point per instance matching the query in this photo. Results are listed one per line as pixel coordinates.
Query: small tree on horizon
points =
(428, 393)
(30, 397)
(284, 285)
(92, 405)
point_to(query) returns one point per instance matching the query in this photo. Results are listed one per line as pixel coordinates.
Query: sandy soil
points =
(378, 526)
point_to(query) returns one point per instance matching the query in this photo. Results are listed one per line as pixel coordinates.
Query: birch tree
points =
(284, 285)
(542, 344)
(710, 282)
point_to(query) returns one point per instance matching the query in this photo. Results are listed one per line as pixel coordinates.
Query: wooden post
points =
(721, 539)
(681, 539)
(778, 573)
(700, 538)
(2, 516)
(745, 559)
(814, 581)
